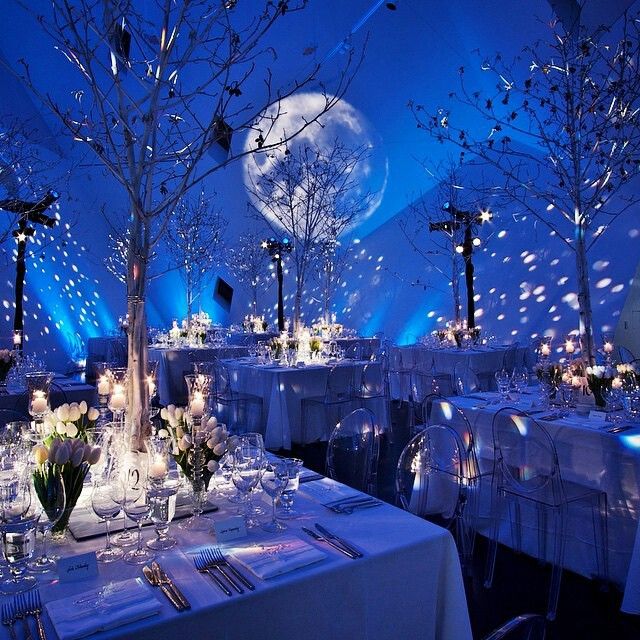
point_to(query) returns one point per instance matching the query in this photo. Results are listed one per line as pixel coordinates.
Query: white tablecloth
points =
(175, 363)
(592, 457)
(407, 585)
(282, 390)
(484, 361)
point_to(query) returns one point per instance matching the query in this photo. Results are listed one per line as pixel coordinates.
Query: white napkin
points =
(327, 490)
(110, 607)
(269, 559)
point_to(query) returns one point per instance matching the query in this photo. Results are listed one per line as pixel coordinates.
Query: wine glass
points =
(18, 521)
(273, 480)
(248, 464)
(503, 380)
(137, 506)
(53, 500)
(520, 379)
(294, 467)
(163, 508)
(106, 500)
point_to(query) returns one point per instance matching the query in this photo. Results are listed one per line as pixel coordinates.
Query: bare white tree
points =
(195, 243)
(563, 129)
(311, 195)
(161, 88)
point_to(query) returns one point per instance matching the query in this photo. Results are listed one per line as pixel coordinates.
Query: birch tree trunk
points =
(584, 297)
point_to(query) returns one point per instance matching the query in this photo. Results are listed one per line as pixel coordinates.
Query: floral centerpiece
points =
(254, 324)
(7, 360)
(199, 326)
(214, 441)
(275, 346)
(65, 449)
(600, 380)
(315, 346)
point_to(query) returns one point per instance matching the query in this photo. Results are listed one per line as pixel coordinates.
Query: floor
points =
(587, 610)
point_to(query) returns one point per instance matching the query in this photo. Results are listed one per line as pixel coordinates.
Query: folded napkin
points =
(270, 559)
(327, 490)
(109, 607)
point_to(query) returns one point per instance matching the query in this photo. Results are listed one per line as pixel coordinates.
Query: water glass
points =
(106, 501)
(503, 380)
(294, 467)
(248, 464)
(137, 506)
(273, 480)
(163, 509)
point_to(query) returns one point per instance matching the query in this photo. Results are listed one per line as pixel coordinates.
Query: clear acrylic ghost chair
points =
(528, 626)
(400, 368)
(321, 413)
(527, 471)
(240, 411)
(625, 355)
(353, 451)
(432, 481)
(511, 358)
(466, 381)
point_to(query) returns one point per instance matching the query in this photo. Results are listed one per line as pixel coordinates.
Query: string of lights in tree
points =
(276, 249)
(468, 223)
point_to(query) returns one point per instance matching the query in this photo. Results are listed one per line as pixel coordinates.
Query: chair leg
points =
(559, 517)
(493, 543)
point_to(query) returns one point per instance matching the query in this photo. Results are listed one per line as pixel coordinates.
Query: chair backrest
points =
(430, 472)
(222, 381)
(625, 355)
(526, 457)
(353, 451)
(436, 409)
(339, 384)
(353, 350)
(510, 358)
(528, 626)
(465, 380)
(372, 382)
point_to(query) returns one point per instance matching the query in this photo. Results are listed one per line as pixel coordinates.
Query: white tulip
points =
(83, 407)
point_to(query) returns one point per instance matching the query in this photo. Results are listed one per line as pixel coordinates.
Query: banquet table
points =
(588, 454)
(248, 338)
(408, 583)
(282, 390)
(63, 390)
(483, 360)
(175, 362)
(105, 349)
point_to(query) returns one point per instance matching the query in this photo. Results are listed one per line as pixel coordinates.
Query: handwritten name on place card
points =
(77, 567)
(230, 529)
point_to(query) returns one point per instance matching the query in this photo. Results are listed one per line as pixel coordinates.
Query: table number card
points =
(78, 567)
(597, 416)
(230, 529)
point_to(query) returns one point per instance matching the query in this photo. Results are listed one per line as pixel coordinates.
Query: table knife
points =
(331, 543)
(148, 574)
(164, 578)
(340, 541)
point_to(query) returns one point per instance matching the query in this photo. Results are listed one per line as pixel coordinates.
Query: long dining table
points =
(282, 390)
(588, 454)
(408, 583)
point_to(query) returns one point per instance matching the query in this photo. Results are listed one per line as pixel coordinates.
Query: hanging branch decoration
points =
(564, 133)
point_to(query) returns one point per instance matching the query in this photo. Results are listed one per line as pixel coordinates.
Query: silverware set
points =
(211, 561)
(347, 506)
(21, 608)
(158, 577)
(322, 534)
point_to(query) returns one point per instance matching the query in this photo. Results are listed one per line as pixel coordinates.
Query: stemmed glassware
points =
(137, 506)
(273, 480)
(294, 467)
(248, 464)
(503, 380)
(53, 502)
(520, 379)
(18, 521)
(106, 500)
(160, 492)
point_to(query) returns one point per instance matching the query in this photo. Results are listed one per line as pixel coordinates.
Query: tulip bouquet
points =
(213, 440)
(600, 380)
(65, 450)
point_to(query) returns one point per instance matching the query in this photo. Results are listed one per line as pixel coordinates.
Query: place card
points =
(80, 567)
(230, 529)
(597, 416)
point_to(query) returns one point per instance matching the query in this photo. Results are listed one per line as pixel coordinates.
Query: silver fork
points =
(20, 612)
(203, 567)
(35, 609)
(8, 618)
(217, 556)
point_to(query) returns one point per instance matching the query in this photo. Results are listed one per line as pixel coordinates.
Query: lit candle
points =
(545, 350)
(616, 383)
(197, 405)
(39, 403)
(569, 347)
(103, 386)
(608, 347)
(158, 468)
(118, 400)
